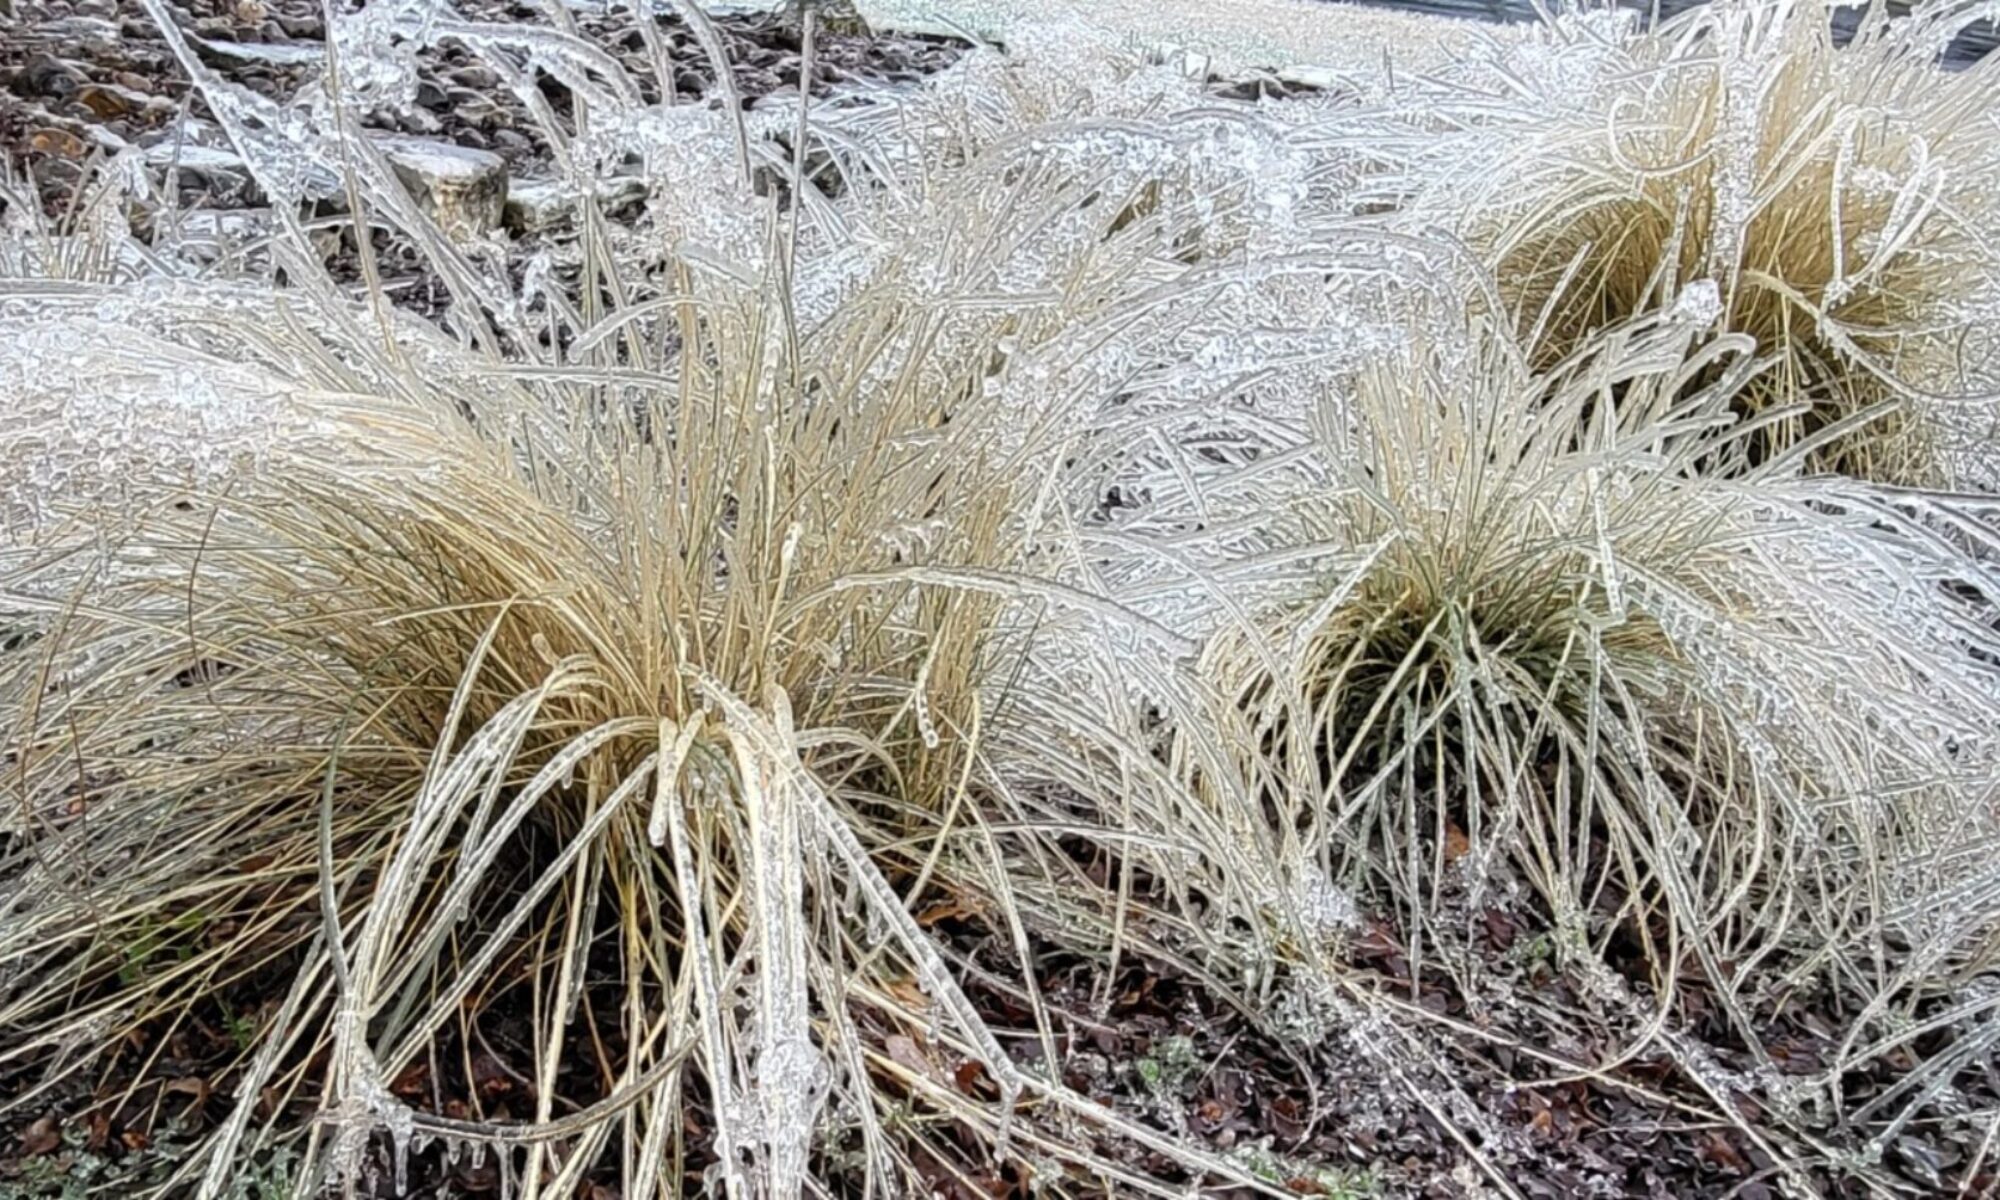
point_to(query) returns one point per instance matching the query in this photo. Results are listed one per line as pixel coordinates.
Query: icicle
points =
(399, 1144)
(1003, 1133)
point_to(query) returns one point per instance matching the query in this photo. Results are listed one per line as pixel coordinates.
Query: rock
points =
(420, 121)
(537, 205)
(46, 75)
(840, 18)
(620, 196)
(464, 190)
(229, 53)
(478, 77)
(82, 33)
(534, 205)
(512, 141)
(196, 148)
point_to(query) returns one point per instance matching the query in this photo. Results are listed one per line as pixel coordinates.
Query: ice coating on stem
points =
(85, 422)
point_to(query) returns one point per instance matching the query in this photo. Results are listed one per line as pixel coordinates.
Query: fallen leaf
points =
(41, 1138)
(413, 1081)
(907, 991)
(58, 142)
(106, 102)
(968, 1075)
(1721, 1152)
(99, 1130)
(904, 1051)
(945, 910)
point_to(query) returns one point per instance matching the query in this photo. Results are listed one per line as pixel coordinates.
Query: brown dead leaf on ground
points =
(42, 1137)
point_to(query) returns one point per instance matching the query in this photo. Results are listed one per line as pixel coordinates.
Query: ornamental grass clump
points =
(1842, 197)
(639, 679)
(636, 699)
(1727, 723)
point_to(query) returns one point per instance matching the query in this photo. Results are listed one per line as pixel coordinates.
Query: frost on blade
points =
(125, 391)
(788, 1077)
(696, 194)
(1700, 303)
(93, 410)
(375, 56)
(281, 145)
(1325, 908)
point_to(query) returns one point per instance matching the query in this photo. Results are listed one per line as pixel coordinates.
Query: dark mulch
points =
(82, 79)
(1413, 1087)
(84, 76)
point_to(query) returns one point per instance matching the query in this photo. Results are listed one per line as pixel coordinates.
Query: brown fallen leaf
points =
(1718, 1150)
(1456, 844)
(413, 1081)
(58, 142)
(106, 102)
(907, 991)
(968, 1075)
(945, 910)
(42, 1137)
(904, 1051)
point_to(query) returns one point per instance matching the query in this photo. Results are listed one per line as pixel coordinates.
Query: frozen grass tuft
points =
(523, 685)
(651, 673)
(1727, 720)
(1841, 199)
